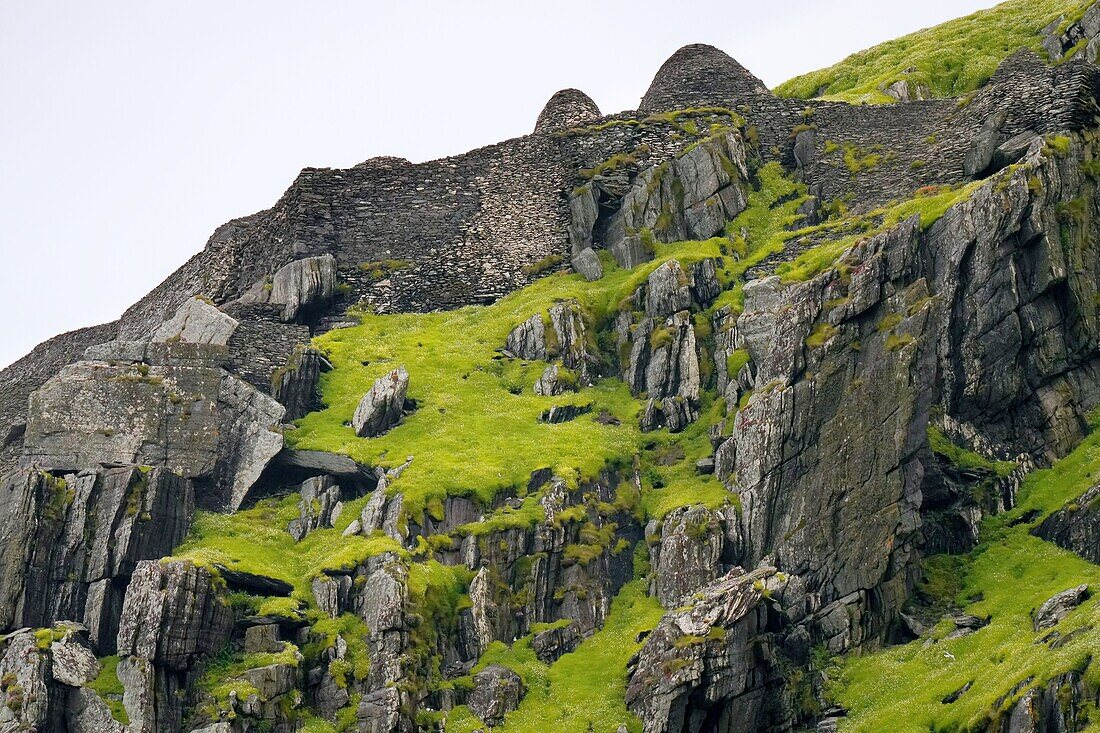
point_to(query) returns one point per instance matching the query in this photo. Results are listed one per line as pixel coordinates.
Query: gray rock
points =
(380, 712)
(497, 692)
(564, 413)
(72, 662)
(587, 263)
(704, 658)
(273, 680)
(1059, 606)
(197, 322)
(303, 284)
(583, 212)
(381, 407)
(173, 615)
(318, 508)
(262, 638)
(86, 712)
(687, 554)
(551, 644)
(528, 340)
(550, 383)
(67, 545)
(193, 418)
(669, 290)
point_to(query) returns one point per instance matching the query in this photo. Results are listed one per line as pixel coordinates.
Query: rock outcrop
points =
(69, 543)
(381, 408)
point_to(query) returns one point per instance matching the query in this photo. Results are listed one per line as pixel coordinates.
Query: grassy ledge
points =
(951, 59)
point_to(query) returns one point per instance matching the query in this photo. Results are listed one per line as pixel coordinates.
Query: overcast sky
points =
(129, 130)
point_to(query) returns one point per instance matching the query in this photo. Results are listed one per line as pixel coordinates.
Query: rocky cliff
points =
(734, 412)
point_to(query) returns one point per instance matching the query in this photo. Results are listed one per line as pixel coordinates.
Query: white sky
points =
(130, 129)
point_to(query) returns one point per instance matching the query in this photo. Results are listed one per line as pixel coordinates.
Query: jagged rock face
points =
(497, 691)
(319, 507)
(1058, 607)
(43, 687)
(699, 669)
(296, 385)
(690, 197)
(1076, 528)
(381, 407)
(567, 108)
(173, 617)
(568, 338)
(692, 547)
(1009, 353)
(658, 351)
(298, 289)
(695, 75)
(168, 405)
(68, 545)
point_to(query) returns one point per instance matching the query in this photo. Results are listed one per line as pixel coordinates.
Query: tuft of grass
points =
(960, 457)
(109, 688)
(256, 541)
(951, 59)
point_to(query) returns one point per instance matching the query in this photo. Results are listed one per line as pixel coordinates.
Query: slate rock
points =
(497, 691)
(380, 409)
(1057, 607)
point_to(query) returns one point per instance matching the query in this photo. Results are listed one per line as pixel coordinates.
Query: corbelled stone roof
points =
(699, 75)
(567, 108)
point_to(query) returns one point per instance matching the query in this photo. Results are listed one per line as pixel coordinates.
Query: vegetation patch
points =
(1008, 576)
(949, 59)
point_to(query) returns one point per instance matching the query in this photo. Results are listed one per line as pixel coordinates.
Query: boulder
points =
(303, 284)
(1057, 607)
(497, 692)
(528, 340)
(72, 661)
(381, 407)
(197, 322)
(587, 264)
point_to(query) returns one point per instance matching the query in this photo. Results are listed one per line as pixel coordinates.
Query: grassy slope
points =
(583, 690)
(1013, 573)
(952, 58)
(475, 432)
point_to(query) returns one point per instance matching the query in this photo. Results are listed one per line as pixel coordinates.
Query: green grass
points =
(476, 430)
(584, 690)
(930, 204)
(963, 458)
(256, 541)
(109, 688)
(1012, 573)
(951, 59)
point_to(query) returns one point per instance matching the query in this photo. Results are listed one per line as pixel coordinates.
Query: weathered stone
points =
(318, 508)
(1057, 607)
(551, 644)
(381, 408)
(587, 263)
(197, 322)
(72, 662)
(303, 284)
(564, 413)
(68, 544)
(528, 340)
(262, 638)
(497, 691)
